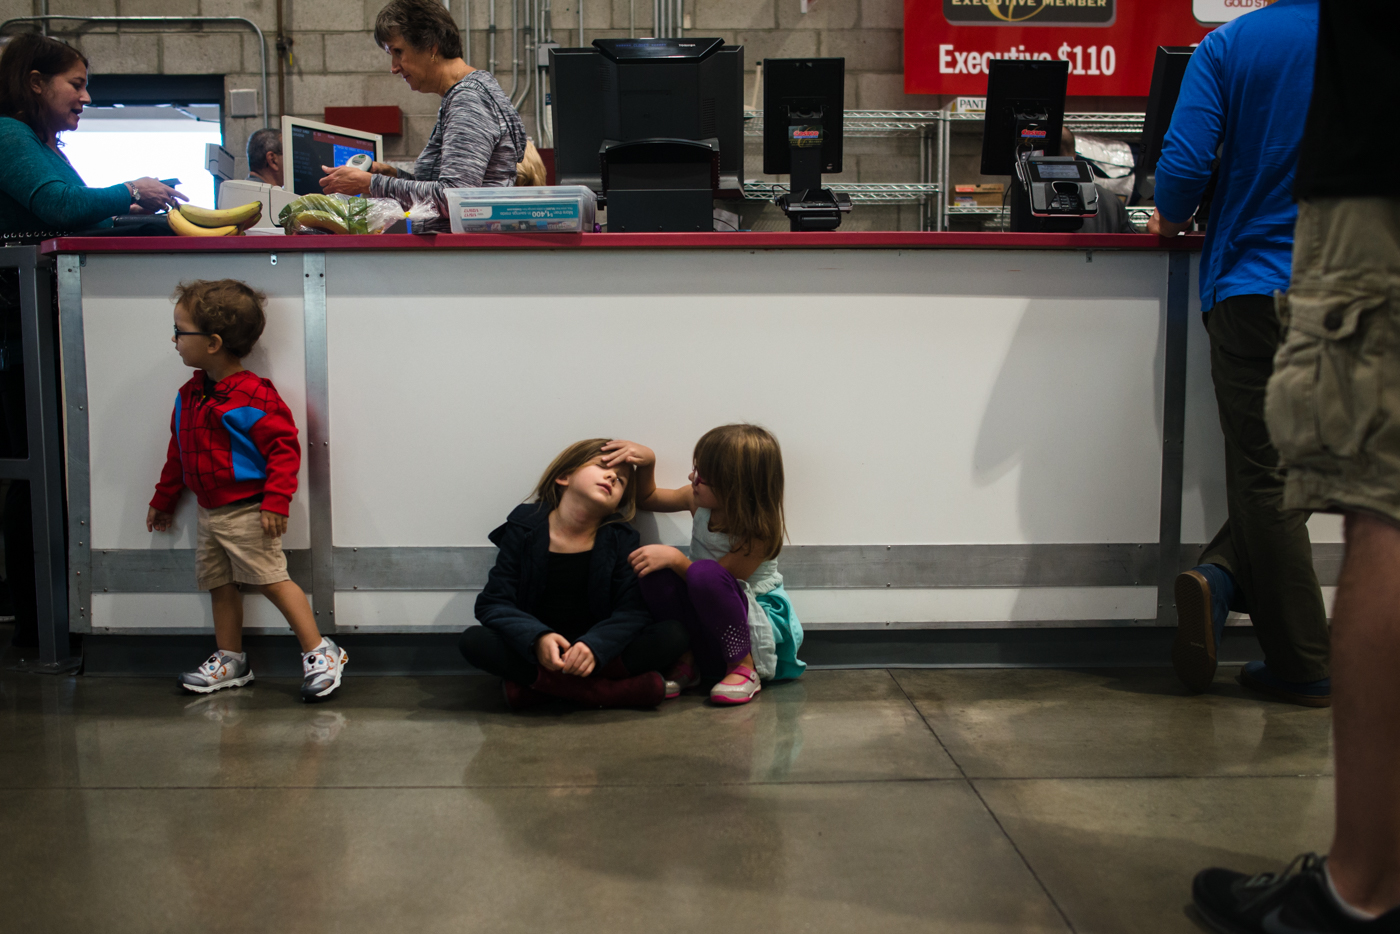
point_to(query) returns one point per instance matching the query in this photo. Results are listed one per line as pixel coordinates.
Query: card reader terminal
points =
(1058, 186)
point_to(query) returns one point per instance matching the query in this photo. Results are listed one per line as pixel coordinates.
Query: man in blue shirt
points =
(1243, 104)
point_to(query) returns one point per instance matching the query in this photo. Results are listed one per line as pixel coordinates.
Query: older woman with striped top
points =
(478, 137)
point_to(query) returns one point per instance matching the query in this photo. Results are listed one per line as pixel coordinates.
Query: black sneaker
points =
(1285, 902)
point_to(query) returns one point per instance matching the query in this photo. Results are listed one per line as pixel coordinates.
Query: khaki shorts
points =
(230, 548)
(1333, 403)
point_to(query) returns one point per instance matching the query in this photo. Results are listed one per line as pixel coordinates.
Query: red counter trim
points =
(875, 239)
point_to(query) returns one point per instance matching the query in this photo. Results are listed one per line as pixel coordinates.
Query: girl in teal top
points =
(43, 89)
(728, 592)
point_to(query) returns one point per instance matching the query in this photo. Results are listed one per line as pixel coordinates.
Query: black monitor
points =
(1025, 110)
(1167, 73)
(624, 90)
(811, 86)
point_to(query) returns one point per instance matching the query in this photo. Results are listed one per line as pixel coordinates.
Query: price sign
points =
(1109, 44)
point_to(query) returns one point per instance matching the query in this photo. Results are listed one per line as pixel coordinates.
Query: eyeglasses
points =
(180, 333)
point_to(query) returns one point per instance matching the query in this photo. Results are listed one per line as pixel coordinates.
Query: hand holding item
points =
(549, 650)
(157, 521)
(383, 168)
(153, 195)
(627, 452)
(650, 558)
(1162, 227)
(343, 180)
(579, 660)
(274, 526)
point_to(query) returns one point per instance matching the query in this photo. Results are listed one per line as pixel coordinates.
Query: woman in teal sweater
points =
(43, 89)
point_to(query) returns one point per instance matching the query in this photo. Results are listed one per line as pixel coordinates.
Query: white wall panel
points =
(134, 373)
(924, 397)
(927, 397)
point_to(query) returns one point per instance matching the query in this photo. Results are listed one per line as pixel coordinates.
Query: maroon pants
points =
(712, 606)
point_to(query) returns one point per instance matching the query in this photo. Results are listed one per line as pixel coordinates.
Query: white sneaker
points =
(221, 670)
(322, 667)
(325, 727)
(734, 694)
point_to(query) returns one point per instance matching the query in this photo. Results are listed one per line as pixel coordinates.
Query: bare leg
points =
(1365, 857)
(228, 617)
(734, 677)
(291, 602)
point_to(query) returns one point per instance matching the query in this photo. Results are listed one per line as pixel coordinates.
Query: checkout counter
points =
(982, 432)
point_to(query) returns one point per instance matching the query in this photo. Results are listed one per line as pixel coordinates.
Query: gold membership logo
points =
(1029, 12)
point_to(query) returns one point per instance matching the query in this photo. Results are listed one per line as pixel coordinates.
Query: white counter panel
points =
(134, 373)
(921, 397)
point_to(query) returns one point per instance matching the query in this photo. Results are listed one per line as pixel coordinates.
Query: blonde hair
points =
(743, 466)
(531, 170)
(577, 455)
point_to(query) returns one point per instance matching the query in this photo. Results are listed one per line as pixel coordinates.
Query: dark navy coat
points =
(515, 585)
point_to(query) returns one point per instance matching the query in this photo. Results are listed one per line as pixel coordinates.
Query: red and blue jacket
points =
(236, 442)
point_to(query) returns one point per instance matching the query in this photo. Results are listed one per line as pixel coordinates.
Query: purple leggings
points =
(711, 605)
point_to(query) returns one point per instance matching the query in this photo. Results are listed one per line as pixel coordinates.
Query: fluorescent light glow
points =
(108, 151)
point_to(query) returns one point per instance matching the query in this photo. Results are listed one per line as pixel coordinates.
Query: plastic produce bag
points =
(420, 214)
(1112, 160)
(339, 214)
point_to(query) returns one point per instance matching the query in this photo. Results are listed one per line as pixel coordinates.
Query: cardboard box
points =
(987, 196)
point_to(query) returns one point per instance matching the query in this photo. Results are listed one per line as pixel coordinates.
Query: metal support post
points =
(1173, 434)
(43, 467)
(318, 440)
(925, 205)
(75, 422)
(945, 135)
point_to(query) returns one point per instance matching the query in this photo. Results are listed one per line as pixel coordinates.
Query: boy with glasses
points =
(233, 442)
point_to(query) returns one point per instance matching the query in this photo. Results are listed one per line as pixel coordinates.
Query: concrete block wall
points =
(334, 61)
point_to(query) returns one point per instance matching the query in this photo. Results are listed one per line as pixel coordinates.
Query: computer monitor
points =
(813, 89)
(624, 90)
(1167, 72)
(308, 145)
(1025, 110)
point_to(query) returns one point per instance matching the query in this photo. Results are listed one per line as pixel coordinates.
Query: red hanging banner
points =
(1109, 44)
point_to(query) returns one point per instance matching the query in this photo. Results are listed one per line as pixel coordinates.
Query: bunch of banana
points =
(191, 221)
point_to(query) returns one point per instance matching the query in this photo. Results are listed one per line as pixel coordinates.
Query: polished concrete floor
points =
(850, 801)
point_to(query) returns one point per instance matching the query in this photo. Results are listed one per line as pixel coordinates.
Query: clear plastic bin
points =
(547, 209)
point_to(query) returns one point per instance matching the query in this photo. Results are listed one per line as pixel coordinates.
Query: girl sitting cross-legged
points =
(562, 614)
(728, 592)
